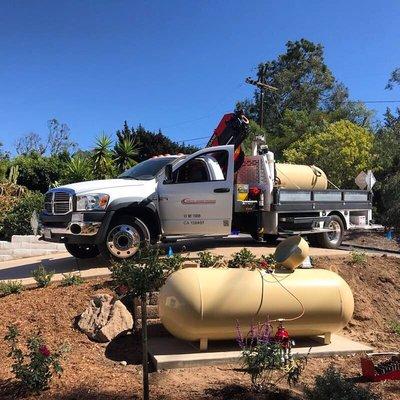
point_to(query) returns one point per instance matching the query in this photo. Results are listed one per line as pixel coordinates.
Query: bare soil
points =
(375, 240)
(93, 371)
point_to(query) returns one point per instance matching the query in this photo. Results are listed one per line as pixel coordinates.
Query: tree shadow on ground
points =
(241, 392)
(125, 348)
(10, 389)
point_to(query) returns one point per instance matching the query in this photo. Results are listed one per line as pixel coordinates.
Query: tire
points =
(271, 239)
(331, 240)
(82, 250)
(124, 237)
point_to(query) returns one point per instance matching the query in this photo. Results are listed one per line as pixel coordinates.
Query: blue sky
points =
(174, 65)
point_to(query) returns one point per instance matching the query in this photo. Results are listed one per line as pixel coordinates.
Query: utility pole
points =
(260, 83)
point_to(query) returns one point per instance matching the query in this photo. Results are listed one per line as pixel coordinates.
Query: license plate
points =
(77, 217)
(47, 233)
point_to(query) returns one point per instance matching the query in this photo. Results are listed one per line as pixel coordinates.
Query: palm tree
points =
(79, 169)
(102, 157)
(125, 152)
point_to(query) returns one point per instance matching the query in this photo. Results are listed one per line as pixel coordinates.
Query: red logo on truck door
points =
(190, 201)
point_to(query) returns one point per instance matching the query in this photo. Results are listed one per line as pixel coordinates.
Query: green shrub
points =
(333, 385)
(42, 277)
(10, 287)
(267, 262)
(208, 260)
(72, 279)
(140, 274)
(243, 259)
(358, 257)
(35, 369)
(173, 263)
(17, 220)
(37, 172)
(395, 327)
(262, 354)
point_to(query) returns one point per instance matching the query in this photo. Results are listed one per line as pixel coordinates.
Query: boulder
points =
(105, 319)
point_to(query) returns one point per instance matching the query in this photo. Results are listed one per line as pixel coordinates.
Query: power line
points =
(373, 101)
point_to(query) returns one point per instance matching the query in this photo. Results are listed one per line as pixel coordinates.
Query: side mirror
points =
(168, 173)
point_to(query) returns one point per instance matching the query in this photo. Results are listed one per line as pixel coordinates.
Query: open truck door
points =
(197, 197)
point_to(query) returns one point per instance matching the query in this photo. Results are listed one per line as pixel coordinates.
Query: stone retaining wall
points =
(22, 246)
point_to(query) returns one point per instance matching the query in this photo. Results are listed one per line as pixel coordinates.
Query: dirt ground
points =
(376, 240)
(93, 371)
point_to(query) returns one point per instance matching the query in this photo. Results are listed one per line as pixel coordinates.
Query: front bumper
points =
(75, 227)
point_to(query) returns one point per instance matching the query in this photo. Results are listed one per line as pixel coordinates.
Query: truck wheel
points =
(82, 250)
(124, 237)
(332, 240)
(271, 239)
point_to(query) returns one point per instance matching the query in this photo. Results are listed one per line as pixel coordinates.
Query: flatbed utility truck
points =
(214, 192)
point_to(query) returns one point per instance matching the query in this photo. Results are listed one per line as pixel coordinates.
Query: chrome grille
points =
(58, 202)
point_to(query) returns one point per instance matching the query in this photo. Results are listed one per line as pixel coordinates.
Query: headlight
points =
(95, 201)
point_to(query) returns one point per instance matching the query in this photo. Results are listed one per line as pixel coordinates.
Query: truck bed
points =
(319, 200)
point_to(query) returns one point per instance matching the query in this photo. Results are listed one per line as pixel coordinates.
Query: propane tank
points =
(294, 176)
(206, 303)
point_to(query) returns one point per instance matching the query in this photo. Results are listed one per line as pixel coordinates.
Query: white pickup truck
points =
(171, 197)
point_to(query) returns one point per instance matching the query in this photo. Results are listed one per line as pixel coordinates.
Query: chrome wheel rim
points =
(334, 235)
(123, 241)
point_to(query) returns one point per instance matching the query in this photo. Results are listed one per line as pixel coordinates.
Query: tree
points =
(102, 158)
(387, 149)
(342, 150)
(152, 144)
(4, 163)
(58, 140)
(79, 169)
(149, 144)
(301, 78)
(125, 152)
(295, 125)
(307, 93)
(30, 143)
(254, 131)
(141, 276)
(394, 79)
(37, 172)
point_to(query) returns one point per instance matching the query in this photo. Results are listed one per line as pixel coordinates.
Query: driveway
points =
(63, 262)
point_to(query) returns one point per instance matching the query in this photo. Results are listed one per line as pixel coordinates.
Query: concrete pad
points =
(169, 352)
(59, 263)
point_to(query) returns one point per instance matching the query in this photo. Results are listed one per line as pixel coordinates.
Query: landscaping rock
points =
(105, 319)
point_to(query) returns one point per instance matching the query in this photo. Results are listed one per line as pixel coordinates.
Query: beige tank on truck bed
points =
(294, 176)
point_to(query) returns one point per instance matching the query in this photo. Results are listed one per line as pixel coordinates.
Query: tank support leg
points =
(203, 344)
(327, 338)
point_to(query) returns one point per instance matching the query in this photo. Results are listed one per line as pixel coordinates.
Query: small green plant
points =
(71, 279)
(174, 262)
(263, 353)
(243, 259)
(358, 257)
(208, 260)
(42, 276)
(395, 327)
(10, 287)
(333, 385)
(267, 262)
(35, 369)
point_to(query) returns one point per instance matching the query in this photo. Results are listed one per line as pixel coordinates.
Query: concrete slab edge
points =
(29, 283)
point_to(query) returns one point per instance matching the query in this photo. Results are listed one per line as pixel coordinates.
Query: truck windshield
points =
(146, 170)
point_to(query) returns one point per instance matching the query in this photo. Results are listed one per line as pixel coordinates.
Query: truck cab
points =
(114, 216)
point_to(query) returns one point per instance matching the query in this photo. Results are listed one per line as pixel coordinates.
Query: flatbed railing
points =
(288, 199)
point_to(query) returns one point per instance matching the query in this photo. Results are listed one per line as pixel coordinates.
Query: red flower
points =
(44, 351)
(122, 289)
